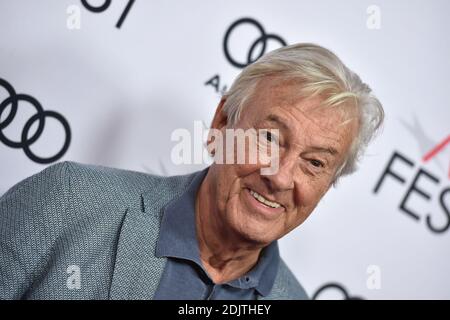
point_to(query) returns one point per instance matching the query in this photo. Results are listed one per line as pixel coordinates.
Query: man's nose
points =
(283, 179)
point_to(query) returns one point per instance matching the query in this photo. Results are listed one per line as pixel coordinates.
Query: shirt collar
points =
(178, 239)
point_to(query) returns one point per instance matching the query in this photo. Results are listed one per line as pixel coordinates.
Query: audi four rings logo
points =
(262, 39)
(25, 142)
(335, 287)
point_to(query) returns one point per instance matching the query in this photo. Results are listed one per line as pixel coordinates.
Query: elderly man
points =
(87, 232)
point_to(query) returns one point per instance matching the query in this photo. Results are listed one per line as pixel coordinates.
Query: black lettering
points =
(412, 188)
(388, 171)
(105, 5)
(124, 14)
(447, 213)
(215, 82)
(97, 9)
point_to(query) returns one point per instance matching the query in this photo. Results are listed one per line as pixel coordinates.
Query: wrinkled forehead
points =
(274, 92)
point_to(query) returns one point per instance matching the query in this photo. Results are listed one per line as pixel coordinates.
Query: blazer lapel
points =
(137, 270)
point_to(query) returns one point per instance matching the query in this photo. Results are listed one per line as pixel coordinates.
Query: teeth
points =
(261, 199)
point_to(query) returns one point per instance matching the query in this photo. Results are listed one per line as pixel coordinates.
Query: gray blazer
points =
(101, 220)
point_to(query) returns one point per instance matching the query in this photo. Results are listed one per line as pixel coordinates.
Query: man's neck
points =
(225, 255)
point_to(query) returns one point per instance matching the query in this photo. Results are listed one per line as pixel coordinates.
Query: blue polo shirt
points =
(184, 276)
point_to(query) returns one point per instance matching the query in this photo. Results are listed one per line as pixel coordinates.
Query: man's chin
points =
(257, 236)
(253, 228)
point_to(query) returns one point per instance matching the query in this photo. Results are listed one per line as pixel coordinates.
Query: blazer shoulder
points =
(54, 175)
(67, 208)
(72, 185)
(84, 177)
(120, 188)
(30, 221)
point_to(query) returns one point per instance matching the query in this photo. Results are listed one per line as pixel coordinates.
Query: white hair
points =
(321, 73)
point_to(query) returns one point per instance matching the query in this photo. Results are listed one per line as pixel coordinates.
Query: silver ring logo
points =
(263, 38)
(40, 116)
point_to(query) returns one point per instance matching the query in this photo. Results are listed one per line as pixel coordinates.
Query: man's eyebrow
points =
(329, 150)
(278, 120)
(275, 118)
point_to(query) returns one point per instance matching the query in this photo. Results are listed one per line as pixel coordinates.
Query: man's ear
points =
(218, 123)
(220, 119)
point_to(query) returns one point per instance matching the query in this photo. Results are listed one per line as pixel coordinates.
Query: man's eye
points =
(316, 163)
(269, 136)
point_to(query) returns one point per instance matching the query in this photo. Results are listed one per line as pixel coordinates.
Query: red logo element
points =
(436, 150)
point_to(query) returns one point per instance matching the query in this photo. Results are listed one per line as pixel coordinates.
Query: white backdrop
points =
(124, 90)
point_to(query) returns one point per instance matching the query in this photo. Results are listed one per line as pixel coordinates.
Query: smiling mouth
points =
(261, 199)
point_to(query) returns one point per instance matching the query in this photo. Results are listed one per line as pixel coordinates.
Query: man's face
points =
(313, 144)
